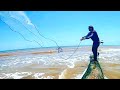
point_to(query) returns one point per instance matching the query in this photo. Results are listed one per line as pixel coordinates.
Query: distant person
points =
(60, 49)
(96, 42)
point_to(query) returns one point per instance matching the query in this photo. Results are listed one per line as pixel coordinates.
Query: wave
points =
(16, 75)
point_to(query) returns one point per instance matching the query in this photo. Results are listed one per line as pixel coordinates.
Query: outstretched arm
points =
(89, 35)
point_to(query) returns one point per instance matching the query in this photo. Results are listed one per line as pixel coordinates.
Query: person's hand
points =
(82, 39)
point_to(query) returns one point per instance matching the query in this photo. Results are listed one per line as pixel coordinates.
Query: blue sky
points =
(65, 27)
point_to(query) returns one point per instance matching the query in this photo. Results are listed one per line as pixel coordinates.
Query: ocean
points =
(47, 63)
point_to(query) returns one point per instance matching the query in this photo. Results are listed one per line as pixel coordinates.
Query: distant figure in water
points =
(96, 42)
(60, 49)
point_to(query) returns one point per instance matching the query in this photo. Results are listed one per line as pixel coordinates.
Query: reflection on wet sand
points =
(47, 52)
(2, 55)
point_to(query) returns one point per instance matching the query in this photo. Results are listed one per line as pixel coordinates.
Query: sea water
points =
(47, 63)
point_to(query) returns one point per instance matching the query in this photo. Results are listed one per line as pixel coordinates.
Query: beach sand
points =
(2, 55)
(47, 52)
(18, 53)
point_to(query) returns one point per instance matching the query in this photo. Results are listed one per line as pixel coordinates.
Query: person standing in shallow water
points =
(96, 42)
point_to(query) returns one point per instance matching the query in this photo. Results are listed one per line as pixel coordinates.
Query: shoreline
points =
(109, 62)
(37, 48)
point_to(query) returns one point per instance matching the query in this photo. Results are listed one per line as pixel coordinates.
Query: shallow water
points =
(48, 64)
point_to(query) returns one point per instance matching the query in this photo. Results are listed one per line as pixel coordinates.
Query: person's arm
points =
(89, 35)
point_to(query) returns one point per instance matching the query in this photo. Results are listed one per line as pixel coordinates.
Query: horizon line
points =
(49, 47)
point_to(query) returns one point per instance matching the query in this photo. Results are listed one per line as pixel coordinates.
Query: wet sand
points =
(47, 52)
(17, 53)
(111, 70)
(2, 55)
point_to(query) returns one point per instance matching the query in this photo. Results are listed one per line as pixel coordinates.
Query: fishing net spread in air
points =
(20, 23)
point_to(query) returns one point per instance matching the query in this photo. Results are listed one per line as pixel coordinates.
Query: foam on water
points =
(110, 50)
(38, 75)
(79, 76)
(16, 75)
(41, 76)
(62, 75)
(51, 61)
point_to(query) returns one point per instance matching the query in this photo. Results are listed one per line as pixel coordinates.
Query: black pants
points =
(94, 49)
